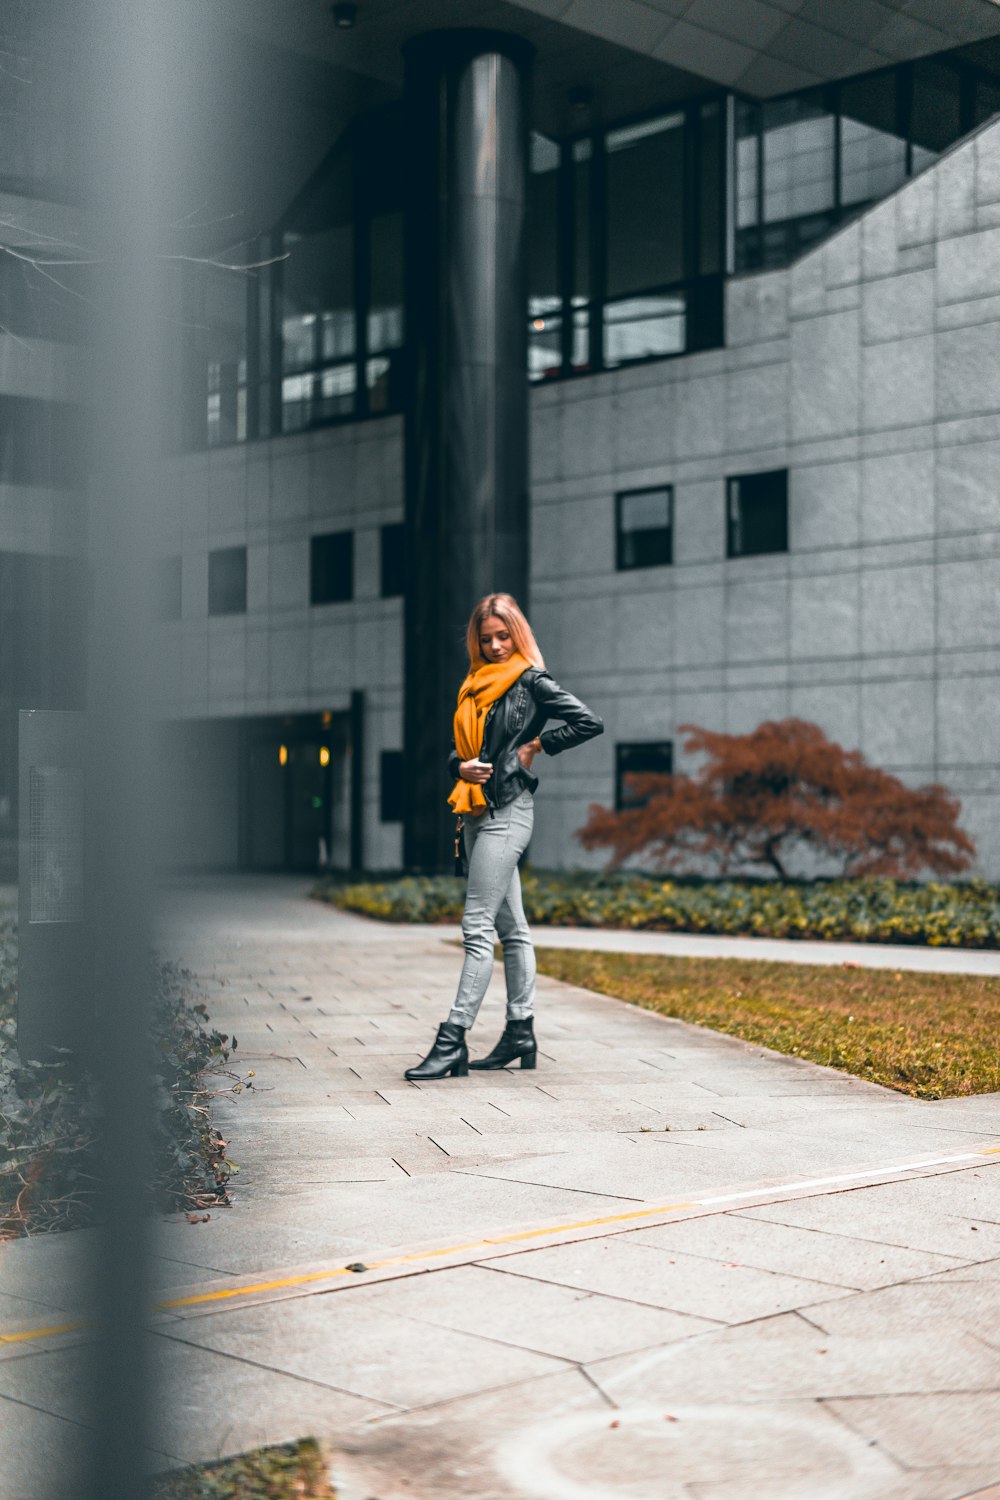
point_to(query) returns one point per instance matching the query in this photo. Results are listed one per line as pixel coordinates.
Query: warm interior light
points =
(326, 718)
(283, 755)
(538, 324)
(324, 755)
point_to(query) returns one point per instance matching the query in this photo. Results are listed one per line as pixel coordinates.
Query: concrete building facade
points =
(756, 248)
(869, 369)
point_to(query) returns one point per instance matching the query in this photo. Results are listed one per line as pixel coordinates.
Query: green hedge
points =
(870, 911)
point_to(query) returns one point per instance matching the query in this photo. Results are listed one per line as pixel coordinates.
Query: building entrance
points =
(298, 810)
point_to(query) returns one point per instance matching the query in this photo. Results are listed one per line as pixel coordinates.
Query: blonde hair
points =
(509, 611)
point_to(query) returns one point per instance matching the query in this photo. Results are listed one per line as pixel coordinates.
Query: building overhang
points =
(275, 83)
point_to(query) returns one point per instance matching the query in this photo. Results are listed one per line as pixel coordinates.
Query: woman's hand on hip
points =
(526, 753)
(476, 771)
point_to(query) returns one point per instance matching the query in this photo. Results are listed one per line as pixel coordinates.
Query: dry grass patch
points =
(287, 1471)
(936, 1036)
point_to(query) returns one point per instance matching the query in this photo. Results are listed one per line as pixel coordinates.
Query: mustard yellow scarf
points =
(487, 681)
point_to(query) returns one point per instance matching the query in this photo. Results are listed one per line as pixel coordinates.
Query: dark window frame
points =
(218, 583)
(621, 565)
(623, 748)
(392, 534)
(704, 313)
(750, 242)
(318, 564)
(391, 787)
(735, 546)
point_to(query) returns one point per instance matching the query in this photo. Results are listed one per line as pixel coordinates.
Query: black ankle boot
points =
(449, 1054)
(518, 1041)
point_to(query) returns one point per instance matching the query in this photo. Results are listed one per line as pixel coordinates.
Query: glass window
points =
(748, 126)
(39, 442)
(757, 513)
(583, 153)
(331, 568)
(393, 570)
(227, 581)
(643, 327)
(644, 527)
(543, 226)
(318, 320)
(544, 296)
(987, 100)
(544, 346)
(318, 316)
(385, 310)
(41, 301)
(214, 302)
(872, 152)
(640, 758)
(710, 206)
(391, 786)
(645, 214)
(936, 121)
(798, 157)
(168, 588)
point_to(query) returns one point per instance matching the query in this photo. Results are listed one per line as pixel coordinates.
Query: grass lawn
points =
(935, 1036)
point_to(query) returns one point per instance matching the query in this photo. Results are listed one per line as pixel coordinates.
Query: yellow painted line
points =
(249, 1291)
(39, 1333)
(639, 1213)
(418, 1257)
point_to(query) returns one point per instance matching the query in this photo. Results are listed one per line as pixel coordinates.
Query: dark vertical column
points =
(467, 421)
(357, 780)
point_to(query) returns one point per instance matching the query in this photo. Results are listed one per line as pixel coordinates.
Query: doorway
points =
(298, 808)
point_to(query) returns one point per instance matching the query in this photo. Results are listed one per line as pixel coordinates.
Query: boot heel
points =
(528, 1059)
(461, 1068)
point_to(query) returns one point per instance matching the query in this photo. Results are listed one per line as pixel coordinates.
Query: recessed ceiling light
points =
(345, 16)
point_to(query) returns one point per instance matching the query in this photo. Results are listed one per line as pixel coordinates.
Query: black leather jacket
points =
(518, 717)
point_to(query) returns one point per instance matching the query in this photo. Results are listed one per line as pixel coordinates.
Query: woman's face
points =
(494, 639)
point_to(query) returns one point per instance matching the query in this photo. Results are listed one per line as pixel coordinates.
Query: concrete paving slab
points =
(395, 1361)
(211, 1406)
(786, 1358)
(455, 1449)
(916, 1429)
(833, 1258)
(333, 1008)
(875, 1215)
(985, 1270)
(39, 1451)
(551, 1319)
(910, 1308)
(621, 1266)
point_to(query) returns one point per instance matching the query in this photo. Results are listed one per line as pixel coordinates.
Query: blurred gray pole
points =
(125, 169)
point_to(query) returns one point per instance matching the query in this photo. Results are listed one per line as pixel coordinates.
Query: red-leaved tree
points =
(760, 799)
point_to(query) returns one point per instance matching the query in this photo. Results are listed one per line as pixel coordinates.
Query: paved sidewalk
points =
(776, 950)
(665, 1264)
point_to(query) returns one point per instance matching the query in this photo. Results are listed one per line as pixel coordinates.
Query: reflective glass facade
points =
(626, 243)
(631, 229)
(805, 163)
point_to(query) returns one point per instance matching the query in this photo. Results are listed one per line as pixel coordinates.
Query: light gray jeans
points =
(493, 900)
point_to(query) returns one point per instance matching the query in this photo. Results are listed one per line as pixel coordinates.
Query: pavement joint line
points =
(417, 1257)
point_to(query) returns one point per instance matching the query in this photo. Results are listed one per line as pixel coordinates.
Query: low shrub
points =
(965, 915)
(275, 1473)
(50, 1117)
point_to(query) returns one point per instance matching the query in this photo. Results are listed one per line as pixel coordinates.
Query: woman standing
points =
(502, 705)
